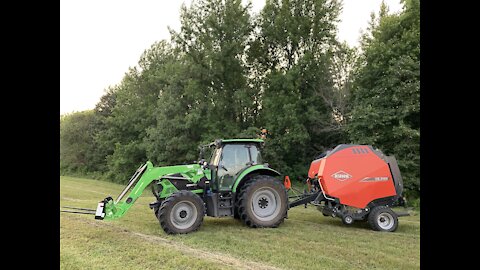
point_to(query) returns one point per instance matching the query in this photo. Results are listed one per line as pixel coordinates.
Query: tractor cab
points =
(236, 170)
(230, 158)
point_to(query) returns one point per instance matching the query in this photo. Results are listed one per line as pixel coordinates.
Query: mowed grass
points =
(306, 240)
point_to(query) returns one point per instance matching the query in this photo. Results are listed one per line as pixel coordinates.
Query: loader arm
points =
(113, 209)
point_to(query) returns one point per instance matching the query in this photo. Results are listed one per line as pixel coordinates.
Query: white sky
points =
(101, 39)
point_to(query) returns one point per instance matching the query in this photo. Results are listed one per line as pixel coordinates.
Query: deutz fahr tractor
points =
(234, 182)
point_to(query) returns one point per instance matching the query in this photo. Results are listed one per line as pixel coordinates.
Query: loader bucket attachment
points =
(77, 210)
(100, 212)
(106, 207)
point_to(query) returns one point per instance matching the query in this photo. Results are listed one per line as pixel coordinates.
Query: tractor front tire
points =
(182, 212)
(382, 218)
(263, 202)
(156, 209)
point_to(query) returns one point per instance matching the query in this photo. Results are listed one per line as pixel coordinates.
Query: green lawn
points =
(306, 240)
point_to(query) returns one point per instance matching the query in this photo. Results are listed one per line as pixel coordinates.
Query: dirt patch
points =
(211, 256)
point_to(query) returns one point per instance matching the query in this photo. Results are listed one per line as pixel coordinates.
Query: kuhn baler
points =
(355, 182)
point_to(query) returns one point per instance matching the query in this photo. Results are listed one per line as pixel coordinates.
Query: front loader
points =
(234, 182)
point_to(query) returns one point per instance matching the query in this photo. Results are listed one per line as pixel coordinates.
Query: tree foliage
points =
(77, 143)
(227, 73)
(386, 96)
(293, 53)
(206, 95)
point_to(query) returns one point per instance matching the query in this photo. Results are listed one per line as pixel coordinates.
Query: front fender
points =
(254, 169)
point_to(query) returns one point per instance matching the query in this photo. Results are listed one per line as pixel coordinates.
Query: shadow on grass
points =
(216, 224)
(404, 226)
(231, 225)
(337, 222)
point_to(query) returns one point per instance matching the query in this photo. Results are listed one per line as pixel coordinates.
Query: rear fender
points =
(256, 169)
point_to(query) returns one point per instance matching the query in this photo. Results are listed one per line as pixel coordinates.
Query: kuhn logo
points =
(341, 176)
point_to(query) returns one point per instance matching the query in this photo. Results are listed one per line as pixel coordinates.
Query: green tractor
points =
(234, 182)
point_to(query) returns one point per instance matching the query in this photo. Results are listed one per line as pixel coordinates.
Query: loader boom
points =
(146, 174)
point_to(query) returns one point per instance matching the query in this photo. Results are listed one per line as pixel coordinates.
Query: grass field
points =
(306, 240)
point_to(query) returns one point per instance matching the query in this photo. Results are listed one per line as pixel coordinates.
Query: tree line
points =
(228, 72)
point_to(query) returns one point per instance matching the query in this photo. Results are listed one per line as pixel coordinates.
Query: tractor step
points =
(219, 205)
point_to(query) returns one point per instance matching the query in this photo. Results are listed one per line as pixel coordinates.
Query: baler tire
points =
(272, 189)
(379, 212)
(189, 200)
(347, 220)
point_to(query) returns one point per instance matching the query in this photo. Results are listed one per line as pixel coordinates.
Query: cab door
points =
(214, 162)
(233, 159)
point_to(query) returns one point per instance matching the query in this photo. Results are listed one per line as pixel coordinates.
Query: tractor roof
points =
(220, 142)
(242, 140)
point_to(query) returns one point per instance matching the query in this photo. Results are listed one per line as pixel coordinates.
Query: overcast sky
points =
(100, 39)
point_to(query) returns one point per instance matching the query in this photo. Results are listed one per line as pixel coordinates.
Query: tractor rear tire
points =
(182, 212)
(236, 215)
(382, 218)
(263, 202)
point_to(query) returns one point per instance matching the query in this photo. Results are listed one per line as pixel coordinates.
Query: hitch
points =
(100, 212)
(307, 198)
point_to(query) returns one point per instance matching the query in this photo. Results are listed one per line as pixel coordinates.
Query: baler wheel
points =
(347, 220)
(182, 212)
(382, 218)
(263, 202)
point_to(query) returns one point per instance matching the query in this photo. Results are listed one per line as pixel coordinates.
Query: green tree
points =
(77, 142)
(206, 95)
(213, 39)
(128, 111)
(293, 54)
(386, 96)
(179, 118)
(103, 146)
